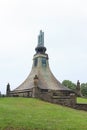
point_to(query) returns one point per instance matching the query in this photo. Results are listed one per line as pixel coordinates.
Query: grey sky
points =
(65, 26)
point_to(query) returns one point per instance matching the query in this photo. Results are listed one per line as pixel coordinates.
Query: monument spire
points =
(40, 46)
(41, 38)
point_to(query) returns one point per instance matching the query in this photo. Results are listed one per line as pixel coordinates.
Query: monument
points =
(41, 83)
(78, 89)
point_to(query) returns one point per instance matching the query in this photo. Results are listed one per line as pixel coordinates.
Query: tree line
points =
(71, 85)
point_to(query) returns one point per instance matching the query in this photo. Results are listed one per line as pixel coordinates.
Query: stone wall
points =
(21, 94)
(80, 106)
(67, 100)
(57, 97)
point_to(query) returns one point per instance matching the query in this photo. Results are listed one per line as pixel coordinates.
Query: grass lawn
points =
(34, 114)
(82, 100)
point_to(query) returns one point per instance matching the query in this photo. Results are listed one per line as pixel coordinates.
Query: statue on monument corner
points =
(78, 89)
(8, 89)
(41, 38)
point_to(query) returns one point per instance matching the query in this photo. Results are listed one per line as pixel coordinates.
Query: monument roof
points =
(46, 80)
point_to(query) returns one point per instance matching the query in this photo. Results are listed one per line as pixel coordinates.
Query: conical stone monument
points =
(41, 83)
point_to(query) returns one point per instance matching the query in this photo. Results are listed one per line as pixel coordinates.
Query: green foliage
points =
(72, 86)
(84, 89)
(34, 114)
(69, 84)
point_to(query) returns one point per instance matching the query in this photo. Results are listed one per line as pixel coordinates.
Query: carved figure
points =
(41, 38)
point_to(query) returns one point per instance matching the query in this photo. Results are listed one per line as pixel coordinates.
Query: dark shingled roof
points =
(46, 80)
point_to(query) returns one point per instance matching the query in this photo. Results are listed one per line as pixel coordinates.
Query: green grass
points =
(82, 100)
(34, 114)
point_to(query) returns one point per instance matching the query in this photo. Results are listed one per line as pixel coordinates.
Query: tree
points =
(69, 84)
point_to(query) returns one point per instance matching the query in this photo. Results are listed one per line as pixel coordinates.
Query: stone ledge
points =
(61, 97)
(80, 106)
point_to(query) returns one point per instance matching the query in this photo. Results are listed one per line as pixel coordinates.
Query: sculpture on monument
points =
(78, 89)
(41, 38)
(8, 89)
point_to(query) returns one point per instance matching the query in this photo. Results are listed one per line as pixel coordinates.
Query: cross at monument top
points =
(41, 38)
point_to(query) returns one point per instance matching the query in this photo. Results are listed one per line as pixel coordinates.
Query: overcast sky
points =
(64, 23)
